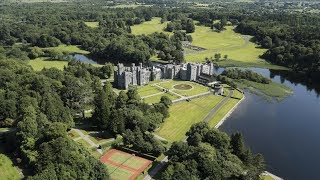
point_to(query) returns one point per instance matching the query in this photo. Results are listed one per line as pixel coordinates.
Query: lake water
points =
(83, 58)
(286, 133)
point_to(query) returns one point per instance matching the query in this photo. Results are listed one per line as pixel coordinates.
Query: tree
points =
(190, 26)
(102, 109)
(166, 101)
(170, 27)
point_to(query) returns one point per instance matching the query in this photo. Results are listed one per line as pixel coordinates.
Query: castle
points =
(139, 75)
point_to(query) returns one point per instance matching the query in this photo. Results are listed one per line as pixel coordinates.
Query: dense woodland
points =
(210, 154)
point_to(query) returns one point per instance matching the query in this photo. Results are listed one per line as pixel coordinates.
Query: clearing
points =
(7, 170)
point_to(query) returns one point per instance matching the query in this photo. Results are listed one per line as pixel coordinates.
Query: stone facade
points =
(138, 75)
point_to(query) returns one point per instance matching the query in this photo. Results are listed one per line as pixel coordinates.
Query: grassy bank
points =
(221, 113)
(268, 91)
(7, 170)
(149, 27)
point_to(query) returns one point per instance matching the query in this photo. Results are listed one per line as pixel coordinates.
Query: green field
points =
(149, 27)
(217, 117)
(73, 134)
(156, 98)
(196, 88)
(184, 114)
(236, 46)
(148, 90)
(92, 24)
(7, 170)
(84, 143)
(120, 158)
(71, 49)
(39, 63)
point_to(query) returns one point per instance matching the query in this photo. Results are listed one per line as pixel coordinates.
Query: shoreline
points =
(229, 113)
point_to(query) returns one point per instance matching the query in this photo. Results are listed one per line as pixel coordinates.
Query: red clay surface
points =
(136, 172)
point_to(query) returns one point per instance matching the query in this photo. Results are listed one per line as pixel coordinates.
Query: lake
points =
(287, 132)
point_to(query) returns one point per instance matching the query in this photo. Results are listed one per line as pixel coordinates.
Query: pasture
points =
(184, 114)
(123, 165)
(39, 63)
(149, 27)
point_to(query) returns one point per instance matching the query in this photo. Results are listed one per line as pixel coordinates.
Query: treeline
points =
(48, 25)
(292, 40)
(41, 105)
(236, 73)
(211, 154)
(127, 114)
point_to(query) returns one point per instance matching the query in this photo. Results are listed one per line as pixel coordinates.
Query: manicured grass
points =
(7, 170)
(73, 134)
(69, 49)
(39, 63)
(92, 24)
(84, 143)
(217, 117)
(227, 42)
(269, 91)
(156, 99)
(149, 27)
(184, 114)
(148, 90)
(267, 177)
(196, 88)
(97, 139)
(118, 173)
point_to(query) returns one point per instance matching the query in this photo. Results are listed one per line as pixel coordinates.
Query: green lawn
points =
(69, 49)
(149, 27)
(7, 170)
(84, 143)
(184, 114)
(39, 63)
(148, 90)
(217, 117)
(267, 177)
(92, 24)
(236, 46)
(197, 88)
(156, 99)
(73, 134)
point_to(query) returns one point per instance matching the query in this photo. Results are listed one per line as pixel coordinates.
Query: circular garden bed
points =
(182, 87)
